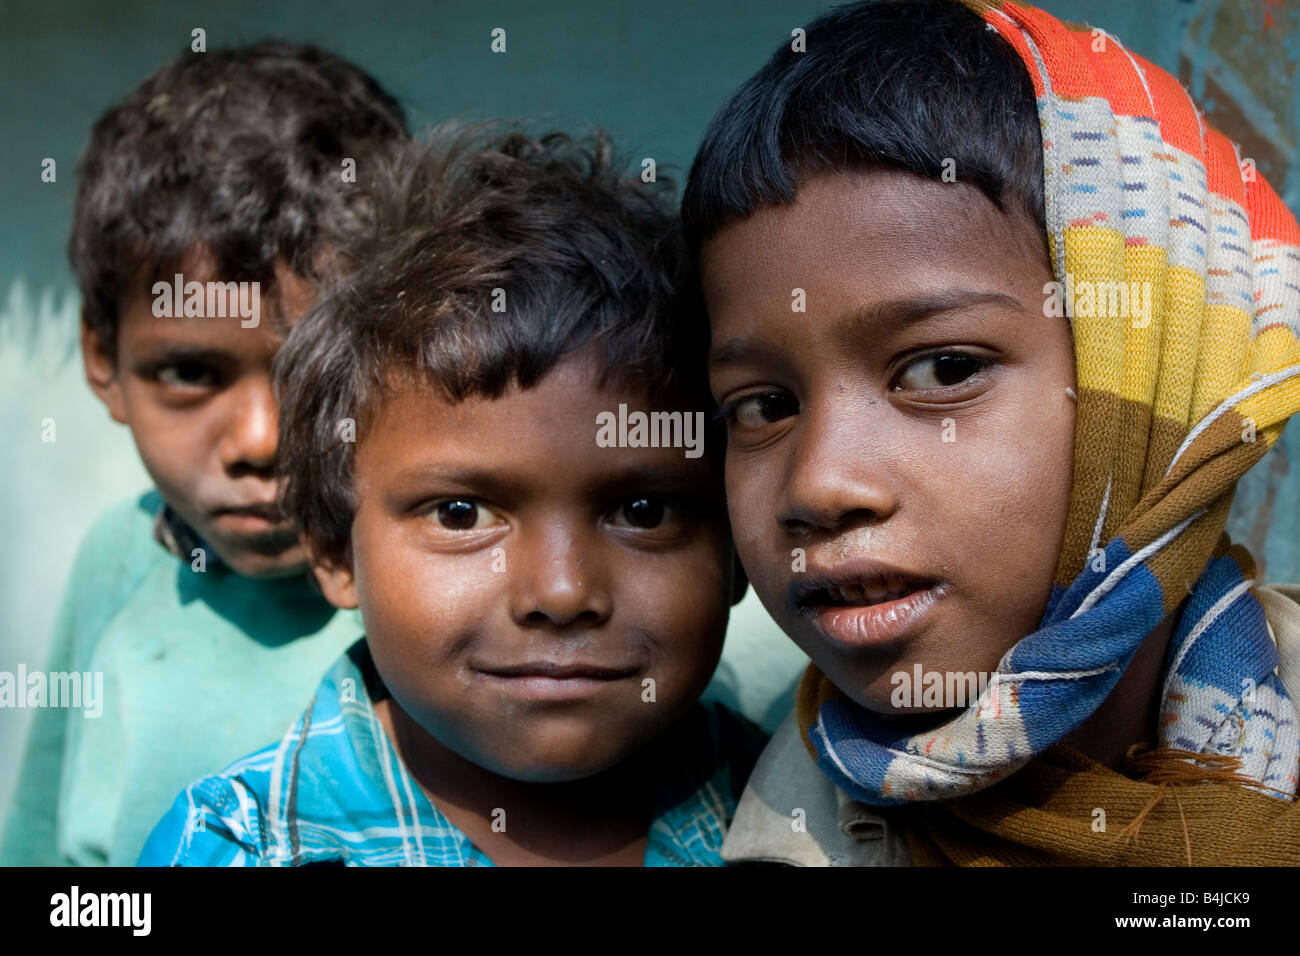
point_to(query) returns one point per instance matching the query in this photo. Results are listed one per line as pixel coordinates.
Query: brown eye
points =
(460, 514)
(644, 513)
(186, 375)
(939, 371)
(755, 411)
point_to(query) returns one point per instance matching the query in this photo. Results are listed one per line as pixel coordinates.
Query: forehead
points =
(140, 329)
(547, 434)
(871, 235)
(225, 306)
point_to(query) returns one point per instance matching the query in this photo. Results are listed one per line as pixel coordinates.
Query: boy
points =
(208, 204)
(995, 523)
(492, 440)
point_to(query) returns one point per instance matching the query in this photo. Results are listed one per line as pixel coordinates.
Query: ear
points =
(739, 579)
(334, 575)
(101, 372)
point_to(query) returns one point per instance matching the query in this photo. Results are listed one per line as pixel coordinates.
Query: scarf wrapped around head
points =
(1174, 407)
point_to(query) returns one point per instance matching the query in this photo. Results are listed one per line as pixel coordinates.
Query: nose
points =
(559, 581)
(837, 478)
(249, 442)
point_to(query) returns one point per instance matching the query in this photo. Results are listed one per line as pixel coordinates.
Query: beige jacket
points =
(792, 813)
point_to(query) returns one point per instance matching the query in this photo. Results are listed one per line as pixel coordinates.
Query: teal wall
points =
(652, 73)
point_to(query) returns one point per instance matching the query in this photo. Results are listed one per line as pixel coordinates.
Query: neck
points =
(598, 820)
(1131, 713)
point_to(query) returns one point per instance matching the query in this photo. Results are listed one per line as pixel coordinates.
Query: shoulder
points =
(733, 743)
(221, 820)
(120, 545)
(733, 732)
(267, 808)
(1281, 603)
(126, 524)
(792, 813)
(116, 554)
(785, 793)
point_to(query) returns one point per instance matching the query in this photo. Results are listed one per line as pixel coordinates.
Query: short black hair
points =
(494, 255)
(235, 151)
(902, 84)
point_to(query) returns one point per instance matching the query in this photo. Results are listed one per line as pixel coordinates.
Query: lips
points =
(557, 671)
(255, 519)
(873, 591)
(865, 603)
(551, 681)
(266, 511)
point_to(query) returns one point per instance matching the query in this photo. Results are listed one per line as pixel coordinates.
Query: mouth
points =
(254, 517)
(549, 680)
(865, 604)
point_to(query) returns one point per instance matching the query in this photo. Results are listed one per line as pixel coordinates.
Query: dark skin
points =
(558, 824)
(924, 317)
(1130, 714)
(494, 535)
(196, 394)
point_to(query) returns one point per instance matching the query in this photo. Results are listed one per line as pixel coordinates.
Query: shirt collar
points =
(792, 813)
(358, 774)
(180, 540)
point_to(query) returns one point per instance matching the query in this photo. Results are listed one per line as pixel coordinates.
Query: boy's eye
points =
(755, 411)
(939, 371)
(642, 513)
(187, 375)
(461, 514)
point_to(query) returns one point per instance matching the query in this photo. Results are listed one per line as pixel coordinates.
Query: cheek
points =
(681, 602)
(767, 555)
(173, 446)
(408, 595)
(1008, 502)
(750, 493)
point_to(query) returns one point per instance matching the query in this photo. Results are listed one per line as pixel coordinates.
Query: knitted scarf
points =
(1175, 403)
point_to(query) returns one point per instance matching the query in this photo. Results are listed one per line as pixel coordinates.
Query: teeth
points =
(876, 591)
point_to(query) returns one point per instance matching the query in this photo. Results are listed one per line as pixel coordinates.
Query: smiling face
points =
(520, 585)
(899, 454)
(196, 394)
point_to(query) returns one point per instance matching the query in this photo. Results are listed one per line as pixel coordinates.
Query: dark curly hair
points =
(236, 152)
(496, 254)
(921, 86)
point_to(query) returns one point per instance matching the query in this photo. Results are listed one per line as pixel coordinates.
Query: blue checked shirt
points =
(334, 790)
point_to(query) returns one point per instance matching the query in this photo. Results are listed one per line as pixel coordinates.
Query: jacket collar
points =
(180, 540)
(792, 813)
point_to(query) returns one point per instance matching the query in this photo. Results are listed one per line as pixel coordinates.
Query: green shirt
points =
(199, 668)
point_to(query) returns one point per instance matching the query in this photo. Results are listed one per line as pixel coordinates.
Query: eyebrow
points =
(894, 312)
(668, 476)
(431, 473)
(154, 353)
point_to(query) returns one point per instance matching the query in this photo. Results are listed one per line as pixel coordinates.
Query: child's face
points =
(852, 441)
(196, 394)
(541, 605)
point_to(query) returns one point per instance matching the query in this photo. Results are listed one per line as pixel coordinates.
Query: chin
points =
(541, 771)
(252, 565)
(538, 764)
(880, 706)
